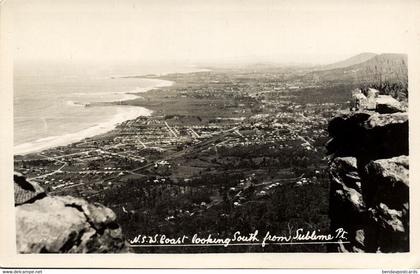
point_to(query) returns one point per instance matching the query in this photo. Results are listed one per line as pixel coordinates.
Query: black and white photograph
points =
(203, 127)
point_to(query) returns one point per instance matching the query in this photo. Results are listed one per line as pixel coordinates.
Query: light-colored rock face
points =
(360, 237)
(389, 219)
(359, 100)
(369, 191)
(372, 93)
(393, 170)
(374, 102)
(381, 120)
(345, 189)
(387, 181)
(66, 225)
(387, 104)
(40, 226)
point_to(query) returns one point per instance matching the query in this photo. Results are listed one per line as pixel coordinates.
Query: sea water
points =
(51, 103)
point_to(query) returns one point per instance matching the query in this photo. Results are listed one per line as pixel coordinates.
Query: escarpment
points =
(62, 224)
(369, 189)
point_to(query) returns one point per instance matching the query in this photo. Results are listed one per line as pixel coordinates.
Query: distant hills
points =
(364, 68)
(360, 58)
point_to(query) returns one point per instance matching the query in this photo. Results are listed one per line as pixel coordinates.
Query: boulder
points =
(343, 172)
(351, 201)
(358, 100)
(372, 95)
(55, 224)
(392, 229)
(389, 219)
(347, 208)
(67, 225)
(385, 120)
(347, 134)
(387, 104)
(387, 182)
(393, 170)
(369, 186)
(359, 237)
(386, 136)
(368, 135)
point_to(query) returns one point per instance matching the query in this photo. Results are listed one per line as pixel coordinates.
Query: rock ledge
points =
(62, 224)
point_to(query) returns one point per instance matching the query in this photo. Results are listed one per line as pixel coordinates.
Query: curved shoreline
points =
(124, 113)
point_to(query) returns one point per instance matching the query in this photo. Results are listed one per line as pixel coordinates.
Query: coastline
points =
(134, 94)
(124, 113)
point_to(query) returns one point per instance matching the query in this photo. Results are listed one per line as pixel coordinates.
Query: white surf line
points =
(236, 244)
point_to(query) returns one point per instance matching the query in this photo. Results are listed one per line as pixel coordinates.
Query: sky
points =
(206, 31)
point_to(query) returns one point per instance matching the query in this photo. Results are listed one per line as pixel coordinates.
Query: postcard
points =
(196, 134)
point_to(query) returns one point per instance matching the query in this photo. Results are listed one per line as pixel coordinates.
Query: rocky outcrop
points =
(25, 191)
(374, 102)
(387, 104)
(369, 190)
(54, 224)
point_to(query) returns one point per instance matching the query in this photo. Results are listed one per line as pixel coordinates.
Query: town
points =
(225, 150)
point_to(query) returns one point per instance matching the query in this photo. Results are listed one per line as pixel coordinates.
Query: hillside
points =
(389, 67)
(354, 60)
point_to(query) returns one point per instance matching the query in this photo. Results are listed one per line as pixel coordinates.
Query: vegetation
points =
(398, 90)
(224, 151)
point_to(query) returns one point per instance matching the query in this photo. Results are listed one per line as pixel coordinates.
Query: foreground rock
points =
(369, 192)
(25, 191)
(46, 224)
(368, 135)
(387, 104)
(371, 100)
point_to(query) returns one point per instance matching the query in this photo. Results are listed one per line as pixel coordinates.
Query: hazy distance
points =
(206, 31)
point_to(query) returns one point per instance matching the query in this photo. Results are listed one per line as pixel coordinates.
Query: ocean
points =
(50, 101)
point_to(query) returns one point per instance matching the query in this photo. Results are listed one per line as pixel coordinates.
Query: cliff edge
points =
(54, 224)
(369, 189)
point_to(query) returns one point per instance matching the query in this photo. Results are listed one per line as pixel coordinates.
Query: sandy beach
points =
(124, 113)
